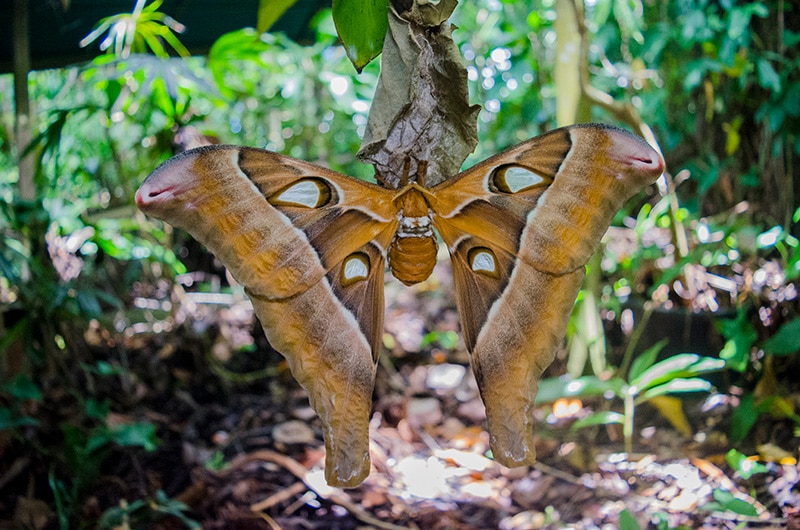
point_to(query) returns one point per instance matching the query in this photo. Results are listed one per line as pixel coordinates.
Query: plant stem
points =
(627, 357)
(627, 426)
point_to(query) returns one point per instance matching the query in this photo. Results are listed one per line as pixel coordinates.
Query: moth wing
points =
(520, 227)
(309, 245)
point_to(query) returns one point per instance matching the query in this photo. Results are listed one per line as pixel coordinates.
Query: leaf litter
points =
(245, 451)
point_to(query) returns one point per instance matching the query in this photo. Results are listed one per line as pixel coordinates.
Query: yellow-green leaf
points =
(605, 417)
(269, 11)
(362, 26)
(672, 409)
(677, 386)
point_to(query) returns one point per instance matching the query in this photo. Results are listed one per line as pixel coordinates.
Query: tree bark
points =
(22, 65)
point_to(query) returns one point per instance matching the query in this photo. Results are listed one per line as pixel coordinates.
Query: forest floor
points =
(240, 447)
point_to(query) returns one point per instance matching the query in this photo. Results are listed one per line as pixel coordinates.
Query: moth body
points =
(412, 254)
(414, 226)
(412, 258)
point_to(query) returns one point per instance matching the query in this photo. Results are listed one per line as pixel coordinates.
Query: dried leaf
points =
(421, 126)
(426, 12)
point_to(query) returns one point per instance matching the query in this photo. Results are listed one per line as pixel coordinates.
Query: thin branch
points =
(627, 113)
(335, 495)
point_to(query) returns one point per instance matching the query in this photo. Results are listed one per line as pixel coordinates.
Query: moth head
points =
(181, 181)
(163, 188)
(625, 153)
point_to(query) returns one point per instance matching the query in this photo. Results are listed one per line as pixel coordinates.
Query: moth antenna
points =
(380, 179)
(404, 179)
(422, 173)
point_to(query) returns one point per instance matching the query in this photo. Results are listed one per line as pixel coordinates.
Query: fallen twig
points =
(277, 498)
(335, 495)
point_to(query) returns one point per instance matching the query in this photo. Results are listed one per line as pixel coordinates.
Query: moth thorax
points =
(412, 258)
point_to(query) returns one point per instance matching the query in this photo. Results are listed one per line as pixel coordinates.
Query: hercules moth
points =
(310, 247)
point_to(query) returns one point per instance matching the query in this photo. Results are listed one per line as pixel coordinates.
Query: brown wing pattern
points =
(310, 246)
(534, 214)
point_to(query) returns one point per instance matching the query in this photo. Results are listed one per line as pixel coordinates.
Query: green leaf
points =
(705, 365)
(730, 503)
(23, 387)
(362, 26)
(223, 57)
(135, 435)
(777, 407)
(743, 466)
(786, 341)
(678, 366)
(741, 336)
(162, 98)
(696, 71)
(601, 12)
(269, 11)
(10, 420)
(665, 370)
(743, 417)
(628, 21)
(96, 409)
(605, 417)
(14, 334)
(767, 76)
(554, 388)
(678, 386)
(627, 521)
(737, 27)
(646, 359)
(106, 368)
(88, 303)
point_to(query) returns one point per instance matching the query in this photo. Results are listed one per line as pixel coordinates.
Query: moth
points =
(310, 246)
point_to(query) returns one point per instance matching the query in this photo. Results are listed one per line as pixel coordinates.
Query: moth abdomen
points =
(412, 258)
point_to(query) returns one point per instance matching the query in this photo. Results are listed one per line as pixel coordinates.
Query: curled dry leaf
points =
(421, 125)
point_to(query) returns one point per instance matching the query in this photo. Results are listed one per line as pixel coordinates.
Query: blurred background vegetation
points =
(714, 248)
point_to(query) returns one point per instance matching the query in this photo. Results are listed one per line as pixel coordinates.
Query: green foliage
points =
(786, 341)
(302, 101)
(447, 340)
(750, 409)
(145, 513)
(508, 48)
(646, 380)
(743, 466)
(627, 521)
(741, 337)
(362, 26)
(85, 450)
(733, 64)
(725, 501)
(269, 11)
(144, 29)
(56, 277)
(16, 393)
